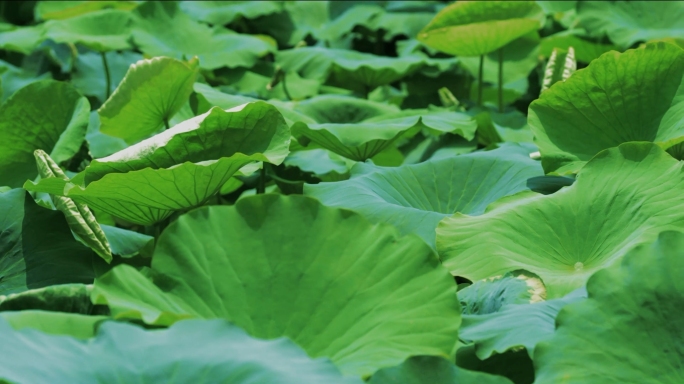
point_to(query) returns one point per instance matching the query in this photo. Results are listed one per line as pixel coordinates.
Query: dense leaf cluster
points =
(341, 192)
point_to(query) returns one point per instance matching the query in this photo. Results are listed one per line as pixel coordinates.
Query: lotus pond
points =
(342, 192)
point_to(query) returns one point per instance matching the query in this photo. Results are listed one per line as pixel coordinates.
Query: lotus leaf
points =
(339, 286)
(414, 198)
(620, 97)
(54, 323)
(191, 351)
(179, 168)
(161, 29)
(633, 190)
(628, 22)
(514, 325)
(223, 12)
(629, 330)
(149, 95)
(106, 30)
(59, 10)
(348, 69)
(489, 295)
(475, 28)
(47, 115)
(37, 248)
(432, 370)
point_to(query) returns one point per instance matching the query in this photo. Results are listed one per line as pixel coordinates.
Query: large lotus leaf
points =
(89, 74)
(337, 285)
(623, 197)
(359, 141)
(150, 94)
(321, 162)
(346, 68)
(628, 22)
(14, 78)
(47, 115)
(54, 323)
(59, 10)
(586, 50)
(432, 370)
(181, 167)
(161, 29)
(633, 96)
(414, 198)
(194, 351)
(225, 12)
(630, 329)
(489, 295)
(106, 30)
(343, 109)
(495, 127)
(436, 122)
(37, 248)
(21, 39)
(514, 325)
(474, 28)
(126, 243)
(207, 97)
(259, 82)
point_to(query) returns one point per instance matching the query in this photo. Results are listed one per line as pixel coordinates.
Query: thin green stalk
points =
(501, 60)
(107, 76)
(480, 81)
(284, 81)
(166, 123)
(261, 184)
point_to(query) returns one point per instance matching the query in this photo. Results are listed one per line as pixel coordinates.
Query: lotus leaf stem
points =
(108, 79)
(261, 184)
(480, 78)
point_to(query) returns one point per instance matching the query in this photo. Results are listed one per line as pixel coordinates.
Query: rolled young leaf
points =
(79, 217)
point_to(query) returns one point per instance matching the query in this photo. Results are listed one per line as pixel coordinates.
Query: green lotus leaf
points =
(105, 30)
(620, 97)
(14, 78)
(190, 351)
(414, 198)
(560, 66)
(628, 22)
(629, 330)
(47, 115)
(475, 28)
(342, 109)
(496, 127)
(566, 239)
(222, 12)
(59, 10)
(514, 364)
(337, 285)
(586, 50)
(359, 141)
(37, 248)
(432, 370)
(489, 295)
(212, 97)
(161, 29)
(259, 82)
(89, 74)
(79, 217)
(348, 69)
(54, 323)
(324, 164)
(179, 168)
(99, 144)
(435, 122)
(126, 243)
(21, 39)
(514, 325)
(150, 94)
